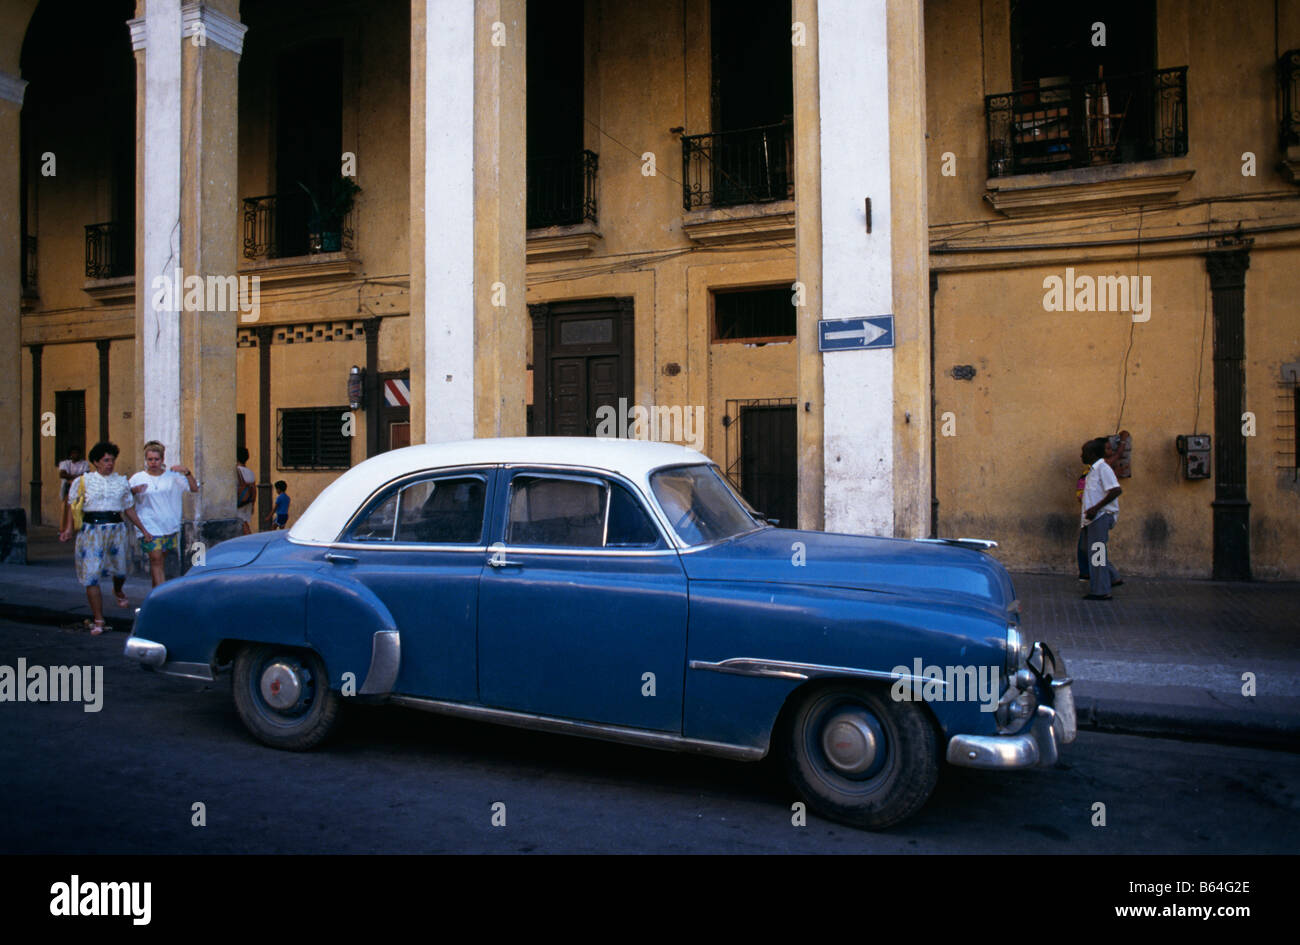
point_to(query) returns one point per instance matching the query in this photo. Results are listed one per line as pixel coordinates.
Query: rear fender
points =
(355, 634)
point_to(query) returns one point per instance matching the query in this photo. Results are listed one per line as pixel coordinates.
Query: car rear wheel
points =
(860, 758)
(283, 696)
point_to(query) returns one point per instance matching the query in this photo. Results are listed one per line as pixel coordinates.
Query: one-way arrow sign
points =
(843, 334)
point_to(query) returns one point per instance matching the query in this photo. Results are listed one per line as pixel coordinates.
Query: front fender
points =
(733, 697)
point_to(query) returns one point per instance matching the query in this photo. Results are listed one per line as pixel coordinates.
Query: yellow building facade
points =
(607, 217)
(1180, 173)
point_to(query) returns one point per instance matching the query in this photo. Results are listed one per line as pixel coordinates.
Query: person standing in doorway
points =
(245, 490)
(159, 493)
(1100, 509)
(70, 469)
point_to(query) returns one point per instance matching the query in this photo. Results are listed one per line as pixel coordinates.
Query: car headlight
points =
(1017, 651)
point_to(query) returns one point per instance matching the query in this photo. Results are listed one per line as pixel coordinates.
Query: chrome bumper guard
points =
(154, 655)
(145, 651)
(1039, 745)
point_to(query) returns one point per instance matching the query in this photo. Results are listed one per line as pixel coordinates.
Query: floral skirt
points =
(101, 552)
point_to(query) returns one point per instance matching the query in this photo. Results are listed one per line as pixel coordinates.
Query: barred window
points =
(313, 438)
(754, 315)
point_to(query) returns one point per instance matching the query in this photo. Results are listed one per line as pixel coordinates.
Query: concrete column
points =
(13, 519)
(188, 296)
(808, 253)
(156, 40)
(910, 254)
(856, 266)
(468, 314)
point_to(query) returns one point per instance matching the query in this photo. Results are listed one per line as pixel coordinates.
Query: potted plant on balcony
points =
(328, 211)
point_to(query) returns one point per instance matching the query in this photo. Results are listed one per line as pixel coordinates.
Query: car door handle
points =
(332, 558)
(499, 560)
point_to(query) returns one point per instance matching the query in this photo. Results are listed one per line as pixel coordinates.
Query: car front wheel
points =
(860, 758)
(283, 696)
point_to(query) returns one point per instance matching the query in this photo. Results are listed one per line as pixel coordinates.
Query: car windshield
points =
(701, 506)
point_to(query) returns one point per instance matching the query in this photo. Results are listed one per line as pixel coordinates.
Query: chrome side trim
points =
(978, 544)
(145, 651)
(584, 552)
(781, 669)
(397, 546)
(188, 671)
(385, 661)
(609, 733)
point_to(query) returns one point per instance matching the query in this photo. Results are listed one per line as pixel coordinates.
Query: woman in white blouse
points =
(102, 541)
(159, 492)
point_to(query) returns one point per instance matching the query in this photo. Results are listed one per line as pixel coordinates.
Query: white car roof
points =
(633, 459)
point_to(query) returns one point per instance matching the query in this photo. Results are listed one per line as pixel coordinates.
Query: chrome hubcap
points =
(850, 742)
(281, 685)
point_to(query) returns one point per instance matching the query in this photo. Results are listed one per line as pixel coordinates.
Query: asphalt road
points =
(126, 779)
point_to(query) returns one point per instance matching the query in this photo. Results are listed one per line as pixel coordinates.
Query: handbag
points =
(78, 504)
(243, 491)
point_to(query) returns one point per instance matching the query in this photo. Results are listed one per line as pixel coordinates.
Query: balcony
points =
(753, 165)
(561, 206)
(287, 240)
(281, 226)
(1288, 76)
(562, 190)
(110, 262)
(110, 251)
(31, 290)
(1115, 120)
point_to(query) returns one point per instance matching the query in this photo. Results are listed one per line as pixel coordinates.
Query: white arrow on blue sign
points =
(844, 334)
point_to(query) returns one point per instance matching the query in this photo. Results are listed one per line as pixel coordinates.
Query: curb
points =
(1191, 723)
(46, 615)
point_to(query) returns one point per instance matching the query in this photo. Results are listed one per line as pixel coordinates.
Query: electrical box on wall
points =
(1195, 450)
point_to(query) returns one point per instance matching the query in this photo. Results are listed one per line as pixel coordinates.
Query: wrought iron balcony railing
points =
(29, 265)
(1288, 74)
(279, 226)
(562, 190)
(753, 165)
(1110, 120)
(110, 251)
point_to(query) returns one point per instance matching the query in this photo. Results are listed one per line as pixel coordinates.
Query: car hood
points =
(892, 566)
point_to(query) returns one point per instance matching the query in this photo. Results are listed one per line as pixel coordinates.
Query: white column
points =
(449, 290)
(158, 33)
(11, 230)
(853, 85)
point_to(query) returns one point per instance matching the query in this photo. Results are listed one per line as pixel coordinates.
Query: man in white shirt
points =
(1100, 509)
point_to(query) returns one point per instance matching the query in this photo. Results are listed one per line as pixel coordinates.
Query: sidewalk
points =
(1167, 656)
(1162, 657)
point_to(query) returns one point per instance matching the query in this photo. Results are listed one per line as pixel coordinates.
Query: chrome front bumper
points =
(1038, 745)
(154, 656)
(145, 651)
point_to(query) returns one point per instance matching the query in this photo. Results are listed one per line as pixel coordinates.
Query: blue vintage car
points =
(620, 590)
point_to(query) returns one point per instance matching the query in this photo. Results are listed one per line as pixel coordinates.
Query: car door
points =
(582, 607)
(419, 546)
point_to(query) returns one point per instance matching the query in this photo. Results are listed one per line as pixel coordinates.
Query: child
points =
(281, 511)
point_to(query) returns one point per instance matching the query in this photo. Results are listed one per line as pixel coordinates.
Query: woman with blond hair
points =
(105, 499)
(160, 493)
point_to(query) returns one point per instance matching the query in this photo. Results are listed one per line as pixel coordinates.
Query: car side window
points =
(564, 512)
(629, 526)
(439, 511)
(573, 512)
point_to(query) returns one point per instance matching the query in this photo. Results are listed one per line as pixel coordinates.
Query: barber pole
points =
(396, 393)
